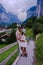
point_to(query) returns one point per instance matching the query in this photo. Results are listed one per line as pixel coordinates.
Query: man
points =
(18, 33)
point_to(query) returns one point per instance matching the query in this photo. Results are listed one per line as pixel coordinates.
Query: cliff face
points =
(39, 8)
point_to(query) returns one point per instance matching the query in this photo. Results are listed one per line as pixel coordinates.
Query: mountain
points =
(31, 12)
(2, 9)
(7, 18)
(3, 16)
(13, 18)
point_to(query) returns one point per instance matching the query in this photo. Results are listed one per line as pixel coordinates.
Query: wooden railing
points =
(6, 48)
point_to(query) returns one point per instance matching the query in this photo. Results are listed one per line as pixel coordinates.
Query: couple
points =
(21, 39)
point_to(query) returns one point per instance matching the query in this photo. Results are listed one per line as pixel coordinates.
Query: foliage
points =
(35, 24)
(30, 22)
(29, 32)
(39, 50)
(2, 45)
(12, 37)
(40, 20)
(13, 25)
(38, 26)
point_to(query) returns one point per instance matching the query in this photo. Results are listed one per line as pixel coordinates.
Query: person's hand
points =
(22, 40)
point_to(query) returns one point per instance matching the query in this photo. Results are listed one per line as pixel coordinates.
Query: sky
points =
(18, 7)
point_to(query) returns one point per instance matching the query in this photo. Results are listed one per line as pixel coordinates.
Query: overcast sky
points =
(18, 7)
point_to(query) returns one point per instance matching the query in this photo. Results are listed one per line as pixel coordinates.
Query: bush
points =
(12, 37)
(38, 26)
(13, 25)
(40, 20)
(30, 22)
(39, 49)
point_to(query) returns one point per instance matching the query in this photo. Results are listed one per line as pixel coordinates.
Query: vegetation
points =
(12, 59)
(7, 53)
(13, 25)
(29, 22)
(33, 27)
(2, 33)
(29, 32)
(39, 50)
(38, 26)
(12, 37)
(3, 45)
(35, 24)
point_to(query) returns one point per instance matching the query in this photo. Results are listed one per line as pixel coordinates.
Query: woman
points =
(23, 44)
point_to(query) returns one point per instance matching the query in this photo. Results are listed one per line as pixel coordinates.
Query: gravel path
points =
(30, 58)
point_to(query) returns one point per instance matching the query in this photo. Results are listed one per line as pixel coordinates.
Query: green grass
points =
(39, 50)
(3, 45)
(12, 59)
(7, 53)
(29, 32)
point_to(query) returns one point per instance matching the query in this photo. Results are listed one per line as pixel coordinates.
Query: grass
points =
(3, 45)
(39, 50)
(12, 59)
(7, 53)
(29, 32)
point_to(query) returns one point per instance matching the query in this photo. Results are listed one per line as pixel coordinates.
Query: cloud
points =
(18, 7)
(22, 15)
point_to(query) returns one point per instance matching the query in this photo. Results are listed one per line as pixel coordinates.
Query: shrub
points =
(12, 37)
(39, 49)
(37, 28)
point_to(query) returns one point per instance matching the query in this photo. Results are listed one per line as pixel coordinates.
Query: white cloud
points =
(22, 15)
(15, 6)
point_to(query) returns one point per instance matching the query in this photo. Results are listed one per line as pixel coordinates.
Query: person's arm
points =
(22, 40)
(18, 38)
